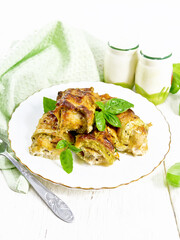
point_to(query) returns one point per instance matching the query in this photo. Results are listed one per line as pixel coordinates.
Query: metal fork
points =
(58, 207)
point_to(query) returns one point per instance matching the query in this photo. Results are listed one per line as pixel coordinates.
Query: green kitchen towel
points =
(55, 54)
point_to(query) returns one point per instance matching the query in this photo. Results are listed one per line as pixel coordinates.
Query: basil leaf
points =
(66, 155)
(173, 175)
(100, 105)
(112, 119)
(117, 105)
(67, 160)
(100, 121)
(48, 104)
(61, 144)
(175, 83)
(74, 149)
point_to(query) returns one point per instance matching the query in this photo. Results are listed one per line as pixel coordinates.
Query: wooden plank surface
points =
(140, 210)
(171, 111)
(147, 209)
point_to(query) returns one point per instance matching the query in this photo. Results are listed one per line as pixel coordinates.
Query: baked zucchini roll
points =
(75, 109)
(46, 137)
(133, 133)
(97, 148)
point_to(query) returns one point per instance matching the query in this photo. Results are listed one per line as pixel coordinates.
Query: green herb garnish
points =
(117, 106)
(109, 111)
(67, 160)
(173, 175)
(176, 79)
(112, 119)
(62, 144)
(100, 121)
(66, 157)
(48, 104)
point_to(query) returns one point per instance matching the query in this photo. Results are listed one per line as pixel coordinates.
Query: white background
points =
(150, 22)
(146, 210)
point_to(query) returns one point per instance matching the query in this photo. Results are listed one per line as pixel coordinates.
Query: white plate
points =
(129, 169)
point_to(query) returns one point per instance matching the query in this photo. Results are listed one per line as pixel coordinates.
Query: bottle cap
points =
(123, 44)
(156, 51)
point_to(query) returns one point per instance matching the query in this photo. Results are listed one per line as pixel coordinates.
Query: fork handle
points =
(58, 207)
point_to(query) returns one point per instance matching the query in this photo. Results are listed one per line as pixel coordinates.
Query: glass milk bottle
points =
(153, 76)
(120, 63)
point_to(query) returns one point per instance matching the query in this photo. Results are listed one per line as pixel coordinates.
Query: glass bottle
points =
(153, 76)
(120, 64)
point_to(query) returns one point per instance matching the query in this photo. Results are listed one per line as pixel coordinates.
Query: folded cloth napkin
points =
(56, 54)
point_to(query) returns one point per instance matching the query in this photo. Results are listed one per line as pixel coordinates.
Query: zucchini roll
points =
(97, 148)
(46, 137)
(75, 109)
(133, 133)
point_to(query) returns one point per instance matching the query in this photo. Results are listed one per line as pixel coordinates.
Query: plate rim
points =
(90, 188)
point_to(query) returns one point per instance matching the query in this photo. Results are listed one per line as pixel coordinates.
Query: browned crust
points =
(81, 100)
(102, 137)
(105, 97)
(129, 114)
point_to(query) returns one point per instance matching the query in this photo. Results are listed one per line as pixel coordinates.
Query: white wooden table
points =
(145, 210)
